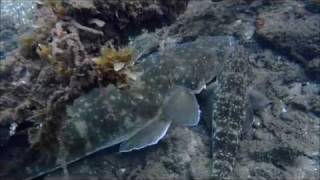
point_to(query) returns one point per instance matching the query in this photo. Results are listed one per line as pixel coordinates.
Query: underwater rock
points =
(212, 18)
(5, 134)
(122, 19)
(313, 6)
(313, 68)
(315, 105)
(183, 153)
(293, 31)
(8, 42)
(285, 127)
(204, 18)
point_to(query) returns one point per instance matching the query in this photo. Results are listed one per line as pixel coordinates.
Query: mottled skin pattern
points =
(229, 113)
(108, 116)
(103, 118)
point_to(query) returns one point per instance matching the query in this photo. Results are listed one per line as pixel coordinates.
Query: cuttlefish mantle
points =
(141, 116)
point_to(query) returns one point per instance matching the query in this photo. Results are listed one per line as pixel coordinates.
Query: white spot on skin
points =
(82, 128)
(112, 98)
(123, 112)
(86, 104)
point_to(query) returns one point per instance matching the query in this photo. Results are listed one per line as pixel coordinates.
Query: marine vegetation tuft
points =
(45, 53)
(110, 56)
(28, 45)
(113, 64)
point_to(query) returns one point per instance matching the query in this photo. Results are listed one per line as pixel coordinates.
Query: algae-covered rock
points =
(313, 68)
(292, 31)
(120, 19)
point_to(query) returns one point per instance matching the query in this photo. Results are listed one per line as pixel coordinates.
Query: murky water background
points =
(16, 18)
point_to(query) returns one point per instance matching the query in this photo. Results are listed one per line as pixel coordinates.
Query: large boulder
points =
(292, 31)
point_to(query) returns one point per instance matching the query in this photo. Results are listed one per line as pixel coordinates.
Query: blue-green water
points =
(16, 18)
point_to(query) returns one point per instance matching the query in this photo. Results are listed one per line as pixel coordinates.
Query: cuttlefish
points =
(140, 116)
(234, 103)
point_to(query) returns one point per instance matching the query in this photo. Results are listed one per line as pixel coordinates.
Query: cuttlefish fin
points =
(182, 107)
(148, 136)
